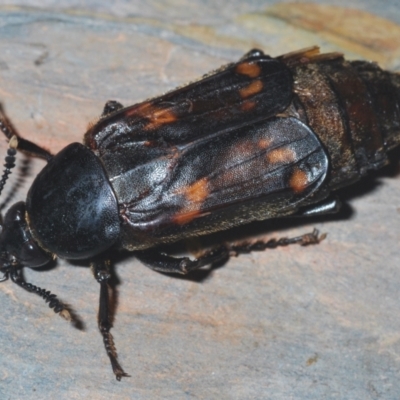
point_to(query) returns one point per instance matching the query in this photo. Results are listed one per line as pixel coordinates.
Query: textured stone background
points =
(321, 322)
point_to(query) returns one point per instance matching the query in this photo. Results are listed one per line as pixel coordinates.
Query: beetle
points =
(257, 139)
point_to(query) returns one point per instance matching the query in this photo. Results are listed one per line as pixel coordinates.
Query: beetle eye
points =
(17, 246)
(32, 256)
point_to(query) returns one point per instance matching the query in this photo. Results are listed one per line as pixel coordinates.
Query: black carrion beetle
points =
(257, 139)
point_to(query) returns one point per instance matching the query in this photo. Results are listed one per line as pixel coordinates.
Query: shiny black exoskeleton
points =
(261, 138)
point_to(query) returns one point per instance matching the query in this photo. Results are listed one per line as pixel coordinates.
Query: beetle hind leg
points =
(313, 237)
(102, 274)
(162, 262)
(331, 205)
(182, 265)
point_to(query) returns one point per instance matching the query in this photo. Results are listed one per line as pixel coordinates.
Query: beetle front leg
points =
(101, 270)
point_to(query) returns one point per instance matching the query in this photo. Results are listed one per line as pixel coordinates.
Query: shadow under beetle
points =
(257, 139)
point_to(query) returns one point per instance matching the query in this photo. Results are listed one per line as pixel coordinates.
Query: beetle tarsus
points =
(108, 341)
(102, 275)
(313, 237)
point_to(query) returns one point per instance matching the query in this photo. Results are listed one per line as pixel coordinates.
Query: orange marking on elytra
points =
(248, 105)
(251, 89)
(248, 68)
(281, 155)
(140, 110)
(197, 192)
(195, 195)
(159, 117)
(185, 217)
(298, 181)
(264, 143)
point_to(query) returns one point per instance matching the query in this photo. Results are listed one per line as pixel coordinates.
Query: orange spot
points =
(248, 105)
(159, 117)
(185, 217)
(197, 192)
(281, 155)
(252, 89)
(264, 143)
(250, 69)
(298, 181)
(141, 110)
(195, 195)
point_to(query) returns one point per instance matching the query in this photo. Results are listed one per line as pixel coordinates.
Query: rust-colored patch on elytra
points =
(264, 143)
(197, 192)
(195, 195)
(185, 217)
(248, 105)
(140, 110)
(298, 181)
(250, 69)
(159, 117)
(251, 89)
(281, 155)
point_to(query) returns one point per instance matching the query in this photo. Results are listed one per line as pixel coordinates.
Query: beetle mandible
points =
(257, 139)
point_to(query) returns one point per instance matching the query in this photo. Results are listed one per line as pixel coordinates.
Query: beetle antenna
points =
(9, 160)
(26, 146)
(54, 303)
(8, 132)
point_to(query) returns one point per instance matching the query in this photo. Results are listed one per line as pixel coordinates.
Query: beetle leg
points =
(110, 107)
(330, 205)
(260, 245)
(164, 263)
(102, 274)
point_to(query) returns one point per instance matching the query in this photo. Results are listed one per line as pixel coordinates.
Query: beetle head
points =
(18, 248)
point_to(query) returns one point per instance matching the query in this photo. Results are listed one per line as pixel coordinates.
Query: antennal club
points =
(9, 159)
